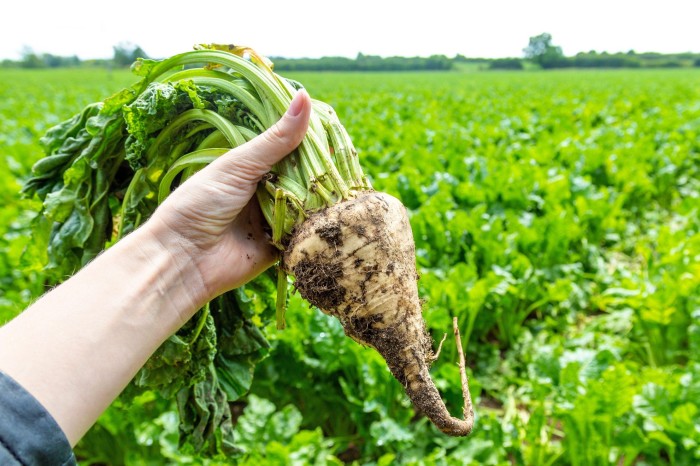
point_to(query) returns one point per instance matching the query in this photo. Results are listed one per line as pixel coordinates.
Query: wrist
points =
(173, 279)
(79, 345)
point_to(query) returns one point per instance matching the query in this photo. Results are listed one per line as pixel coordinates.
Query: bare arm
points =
(78, 346)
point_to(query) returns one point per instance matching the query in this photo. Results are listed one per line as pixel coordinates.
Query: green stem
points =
(324, 169)
(138, 175)
(345, 155)
(228, 129)
(226, 83)
(214, 139)
(200, 323)
(198, 157)
(280, 214)
(281, 306)
(270, 89)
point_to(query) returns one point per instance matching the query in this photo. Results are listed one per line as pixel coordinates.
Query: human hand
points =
(213, 220)
(206, 238)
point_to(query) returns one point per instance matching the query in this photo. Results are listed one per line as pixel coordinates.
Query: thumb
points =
(252, 160)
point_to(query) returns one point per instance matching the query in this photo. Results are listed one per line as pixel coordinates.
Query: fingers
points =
(251, 161)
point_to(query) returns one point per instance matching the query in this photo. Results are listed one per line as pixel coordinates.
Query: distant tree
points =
(506, 64)
(437, 62)
(125, 53)
(52, 61)
(538, 46)
(364, 63)
(541, 51)
(697, 62)
(670, 64)
(56, 61)
(30, 59)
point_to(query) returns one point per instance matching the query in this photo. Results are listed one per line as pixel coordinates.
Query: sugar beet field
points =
(556, 214)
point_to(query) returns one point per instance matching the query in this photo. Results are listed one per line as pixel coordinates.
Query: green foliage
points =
(506, 64)
(605, 60)
(541, 51)
(101, 177)
(556, 215)
(364, 63)
(28, 109)
(125, 53)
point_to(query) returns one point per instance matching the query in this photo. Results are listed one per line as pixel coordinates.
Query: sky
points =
(313, 28)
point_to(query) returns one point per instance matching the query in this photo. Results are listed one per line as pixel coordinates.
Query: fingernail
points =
(297, 104)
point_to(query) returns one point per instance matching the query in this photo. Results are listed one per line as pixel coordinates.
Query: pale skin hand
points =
(78, 346)
(200, 216)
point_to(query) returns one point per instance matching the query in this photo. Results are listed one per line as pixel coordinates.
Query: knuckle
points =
(245, 169)
(277, 135)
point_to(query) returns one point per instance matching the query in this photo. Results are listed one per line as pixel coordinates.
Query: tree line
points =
(539, 53)
(363, 63)
(542, 52)
(124, 55)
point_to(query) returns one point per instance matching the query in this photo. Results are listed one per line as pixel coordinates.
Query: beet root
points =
(356, 261)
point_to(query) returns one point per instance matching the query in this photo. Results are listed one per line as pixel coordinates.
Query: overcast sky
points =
(306, 28)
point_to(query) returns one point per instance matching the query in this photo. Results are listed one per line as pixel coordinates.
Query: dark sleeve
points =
(28, 434)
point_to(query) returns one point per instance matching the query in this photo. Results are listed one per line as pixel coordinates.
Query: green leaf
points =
(59, 204)
(388, 431)
(205, 418)
(235, 376)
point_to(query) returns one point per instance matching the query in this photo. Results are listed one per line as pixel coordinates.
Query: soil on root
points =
(404, 355)
(318, 283)
(331, 234)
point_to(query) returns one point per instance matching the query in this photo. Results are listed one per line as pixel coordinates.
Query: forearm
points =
(78, 346)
